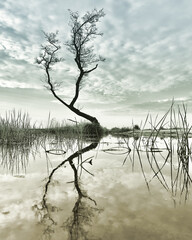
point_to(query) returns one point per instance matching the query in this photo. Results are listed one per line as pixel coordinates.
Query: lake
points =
(120, 188)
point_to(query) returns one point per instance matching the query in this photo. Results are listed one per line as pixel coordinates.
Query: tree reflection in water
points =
(84, 208)
(81, 217)
(164, 160)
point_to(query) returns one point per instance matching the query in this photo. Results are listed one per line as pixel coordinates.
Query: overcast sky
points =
(147, 45)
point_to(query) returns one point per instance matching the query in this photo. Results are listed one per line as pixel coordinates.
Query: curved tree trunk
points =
(84, 115)
(71, 105)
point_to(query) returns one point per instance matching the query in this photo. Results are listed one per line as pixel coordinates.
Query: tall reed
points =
(173, 131)
(16, 140)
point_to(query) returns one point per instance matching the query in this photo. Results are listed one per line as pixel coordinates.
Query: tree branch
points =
(88, 71)
(82, 32)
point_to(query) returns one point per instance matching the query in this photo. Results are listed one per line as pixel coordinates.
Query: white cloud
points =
(146, 45)
(9, 20)
(14, 84)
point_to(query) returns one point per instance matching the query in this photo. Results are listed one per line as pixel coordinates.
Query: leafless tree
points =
(83, 31)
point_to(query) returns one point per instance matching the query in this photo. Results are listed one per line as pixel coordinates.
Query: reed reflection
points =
(167, 159)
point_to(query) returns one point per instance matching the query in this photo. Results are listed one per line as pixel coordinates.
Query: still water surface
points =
(117, 196)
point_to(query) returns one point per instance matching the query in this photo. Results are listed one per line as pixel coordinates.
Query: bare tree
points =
(83, 31)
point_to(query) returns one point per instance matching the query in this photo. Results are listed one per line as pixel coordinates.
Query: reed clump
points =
(16, 129)
(16, 140)
(165, 145)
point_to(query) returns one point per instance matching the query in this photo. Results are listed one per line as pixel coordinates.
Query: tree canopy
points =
(83, 31)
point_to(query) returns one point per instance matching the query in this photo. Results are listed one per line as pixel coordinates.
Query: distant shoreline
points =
(156, 132)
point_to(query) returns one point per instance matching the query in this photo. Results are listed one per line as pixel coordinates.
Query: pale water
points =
(122, 197)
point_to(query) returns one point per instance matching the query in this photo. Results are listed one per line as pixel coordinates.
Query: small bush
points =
(136, 127)
(93, 130)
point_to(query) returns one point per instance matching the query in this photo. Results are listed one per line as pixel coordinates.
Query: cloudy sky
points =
(147, 45)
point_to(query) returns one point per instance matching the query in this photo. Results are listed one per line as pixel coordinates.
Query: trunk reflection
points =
(84, 208)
